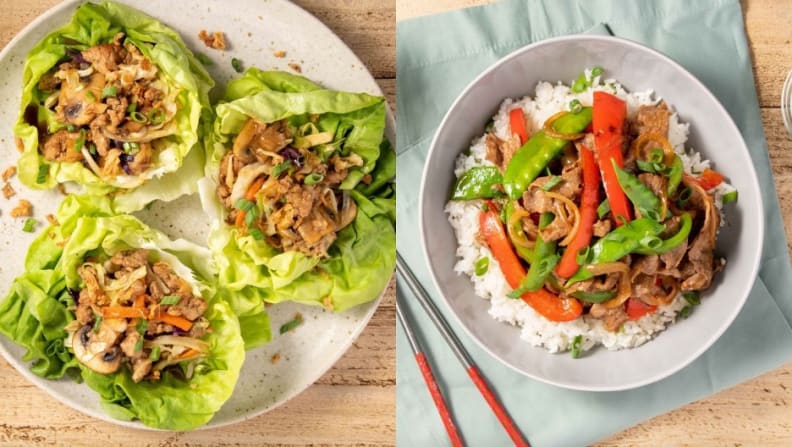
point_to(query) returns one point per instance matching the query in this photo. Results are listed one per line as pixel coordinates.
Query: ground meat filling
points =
(113, 107)
(135, 312)
(279, 187)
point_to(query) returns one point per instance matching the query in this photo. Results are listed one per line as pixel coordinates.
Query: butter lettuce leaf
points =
(362, 259)
(179, 163)
(38, 307)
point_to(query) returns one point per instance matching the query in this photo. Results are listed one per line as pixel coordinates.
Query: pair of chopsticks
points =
(461, 354)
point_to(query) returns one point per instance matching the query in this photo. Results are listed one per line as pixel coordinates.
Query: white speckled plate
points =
(254, 30)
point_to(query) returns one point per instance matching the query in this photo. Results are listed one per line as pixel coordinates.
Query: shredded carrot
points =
(254, 188)
(188, 354)
(140, 301)
(240, 218)
(122, 312)
(181, 323)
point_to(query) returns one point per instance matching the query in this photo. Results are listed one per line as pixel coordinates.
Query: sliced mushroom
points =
(104, 361)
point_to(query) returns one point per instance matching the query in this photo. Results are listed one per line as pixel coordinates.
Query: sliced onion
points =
(516, 219)
(551, 132)
(185, 342)
(348, 212)
(668, 150)
(573, 210)
(246, 176)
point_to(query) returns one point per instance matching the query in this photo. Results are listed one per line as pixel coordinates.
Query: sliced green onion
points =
(91, 97)
(484, 207)
(257, 234)
(575, 106)
(137, 117)
(30, 225)
(685, 312)
(156, 116)
(684, 196)
(204, 59)
(596, 71)
(692, 298)
(132, 108)
(599, 296)
(109, 92)
(70, 128)
(244, 205)
(92, 149)
(656, 155)
(131, 148)
(251, 216)
(603, 209)
(482, 265)
(584, 255)
(729, 197)
(313, 178)
(291, 325)
(651, 242)
(97, 323)
(237, 65)
(552, 183)
(280, 167)
(139, 344)
(142, 326)
(43, 172)
(581, 84)
(546, 219)
(170, 300)
(575, 348)
(80, 141)
(155, 353)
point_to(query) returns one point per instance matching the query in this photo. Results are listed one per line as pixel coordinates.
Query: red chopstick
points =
(434, 390)
(459, 351)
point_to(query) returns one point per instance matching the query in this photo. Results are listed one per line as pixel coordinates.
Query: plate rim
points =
(753, 179)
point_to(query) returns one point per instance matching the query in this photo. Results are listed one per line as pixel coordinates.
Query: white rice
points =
(463, 216)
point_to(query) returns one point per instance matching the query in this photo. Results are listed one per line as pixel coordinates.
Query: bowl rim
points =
(752, 179)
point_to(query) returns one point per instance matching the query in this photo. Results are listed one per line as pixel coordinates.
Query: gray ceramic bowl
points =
(713, 133)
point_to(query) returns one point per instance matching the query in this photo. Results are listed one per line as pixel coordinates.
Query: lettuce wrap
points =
(343, 129)
(85, 117)
(41, 306)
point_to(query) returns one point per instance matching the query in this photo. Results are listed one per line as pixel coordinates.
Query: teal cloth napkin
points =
(437, 57)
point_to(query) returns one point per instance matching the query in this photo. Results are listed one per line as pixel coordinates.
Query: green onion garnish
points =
(71, 128)
(92, 149)
(142, 326)
(91, 97)
(170, 300)
(244, 205)
(155, 353)
(132, 108)
(645, 166)
(251, 216)
(139, 344)
(575, 348)
(278, 170)
(484, 207)
(685, 312)
(729, 197)
(581, 84)
(546, 219)
(692, 298)
(131, 148)
(137, 117)
(204, 59)
(482, 265)
(552, 183)
(80, 141)
(684, 196)
(313, 178)
(656, 155)
(30, 225)
(257, 234)
(291, 324)
(43, 172)
(603, 209)
(237, 65)
(596, 71)
(156, 116)
(575, 106)
(109, 92)
(97, 323)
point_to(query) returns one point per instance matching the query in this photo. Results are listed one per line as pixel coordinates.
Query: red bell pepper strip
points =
(543, 302)
(636, 308)
(517, 123)
(607, 122)
(708, 179)
(589, 201)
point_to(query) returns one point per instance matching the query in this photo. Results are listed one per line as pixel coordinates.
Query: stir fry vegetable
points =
(481, 182)
(607, 122)
(537, 152)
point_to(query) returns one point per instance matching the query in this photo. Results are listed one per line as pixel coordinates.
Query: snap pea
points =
(529, 161)
(545, 260)
(594, 297)
(618, 244)
(673, 241)
(642, 197)
(479, 182)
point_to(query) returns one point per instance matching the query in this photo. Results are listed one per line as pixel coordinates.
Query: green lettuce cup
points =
(133, 314)
(300, 182)
(115, 102)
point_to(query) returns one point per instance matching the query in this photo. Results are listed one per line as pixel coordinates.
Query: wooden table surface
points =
(352, 404)
(757, 412)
